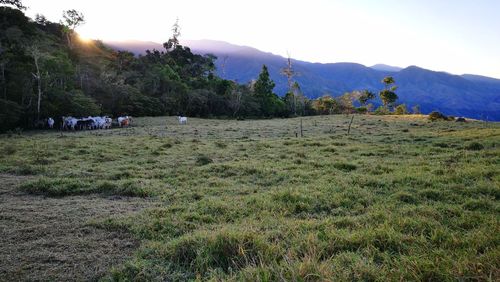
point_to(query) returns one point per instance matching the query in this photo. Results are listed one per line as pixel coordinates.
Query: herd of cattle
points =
(89, 123)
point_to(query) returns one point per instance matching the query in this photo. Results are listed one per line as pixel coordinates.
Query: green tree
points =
(264, 85)
(263, 90)
(365, 96)
(326, 105)
(345, 103)
(388, 94)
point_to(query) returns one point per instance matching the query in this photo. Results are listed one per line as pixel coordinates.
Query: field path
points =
(45, 238)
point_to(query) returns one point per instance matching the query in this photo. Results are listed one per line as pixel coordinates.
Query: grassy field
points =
(400, 198)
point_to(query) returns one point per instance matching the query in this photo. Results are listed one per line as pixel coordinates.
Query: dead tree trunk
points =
(35, 53)
(350, 123)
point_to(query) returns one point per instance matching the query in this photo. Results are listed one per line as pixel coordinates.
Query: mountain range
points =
(466, 95)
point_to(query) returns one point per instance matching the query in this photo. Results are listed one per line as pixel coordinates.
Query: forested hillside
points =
(47, 70)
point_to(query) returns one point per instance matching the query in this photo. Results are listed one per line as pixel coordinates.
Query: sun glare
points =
(84, 39)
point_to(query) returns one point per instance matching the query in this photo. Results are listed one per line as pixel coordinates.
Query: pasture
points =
(399, 198)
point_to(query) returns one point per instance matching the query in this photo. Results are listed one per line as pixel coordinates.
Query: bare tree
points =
(71, 20)
(235, 101)
(173, 41)
(36, 54)
(290, 73)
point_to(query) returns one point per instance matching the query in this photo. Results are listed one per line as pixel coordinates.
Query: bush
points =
(362, 110)
(203, 160)
(382, 111)
(434, 116)
(401, 110)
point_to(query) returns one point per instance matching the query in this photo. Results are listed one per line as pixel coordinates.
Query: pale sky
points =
(456, 36)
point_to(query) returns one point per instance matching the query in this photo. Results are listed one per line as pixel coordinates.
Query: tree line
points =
(46, 70)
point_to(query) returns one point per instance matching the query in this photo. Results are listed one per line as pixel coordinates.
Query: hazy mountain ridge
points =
(384, 67)
(467, 95)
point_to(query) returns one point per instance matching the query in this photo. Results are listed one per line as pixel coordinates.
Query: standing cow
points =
(124, 121)
(182, 120)
(50, 122)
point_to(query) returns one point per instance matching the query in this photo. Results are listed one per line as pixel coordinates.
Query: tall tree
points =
(388, 95)
(35, 53)
(71, 20)
(264, 85)
(270, 103)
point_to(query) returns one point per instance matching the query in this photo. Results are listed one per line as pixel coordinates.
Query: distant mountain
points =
(467, 95)
(387, 68)
(135, 46)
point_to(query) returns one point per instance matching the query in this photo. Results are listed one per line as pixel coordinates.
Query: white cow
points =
(69, 123)
(182, 120)
(99, 122)
(50, 122)
(107, 122)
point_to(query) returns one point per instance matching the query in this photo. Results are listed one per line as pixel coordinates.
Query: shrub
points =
(362, 110)
(401, 110)
(203, 160)
(434, 116)
(382, 111)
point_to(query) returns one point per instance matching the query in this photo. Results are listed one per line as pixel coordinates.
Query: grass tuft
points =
(203, 160)
(345, 166)
(474, 146)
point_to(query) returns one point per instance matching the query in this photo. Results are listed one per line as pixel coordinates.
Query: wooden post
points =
(301, 131)
(349, 129)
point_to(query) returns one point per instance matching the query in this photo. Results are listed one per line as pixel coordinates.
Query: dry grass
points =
(51, 239)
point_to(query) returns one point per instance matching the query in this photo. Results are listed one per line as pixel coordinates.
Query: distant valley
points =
(466, 95)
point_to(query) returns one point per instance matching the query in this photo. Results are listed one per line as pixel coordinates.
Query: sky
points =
(456, 36)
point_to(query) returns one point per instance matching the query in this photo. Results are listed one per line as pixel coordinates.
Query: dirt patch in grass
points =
(49, 239)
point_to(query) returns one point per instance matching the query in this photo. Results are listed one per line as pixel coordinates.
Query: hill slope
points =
(467, 95)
